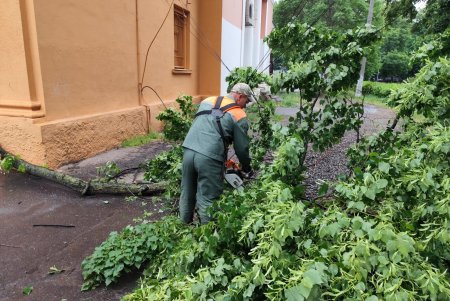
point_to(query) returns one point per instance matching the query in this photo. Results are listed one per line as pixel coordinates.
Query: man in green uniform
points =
(219, 122)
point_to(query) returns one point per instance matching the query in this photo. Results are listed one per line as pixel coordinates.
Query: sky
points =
(419, 5)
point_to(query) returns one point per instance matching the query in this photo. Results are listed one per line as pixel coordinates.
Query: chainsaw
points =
(233, 175)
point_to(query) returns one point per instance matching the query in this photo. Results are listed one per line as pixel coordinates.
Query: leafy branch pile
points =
(247, 75)
(384, 237)
(167, 165)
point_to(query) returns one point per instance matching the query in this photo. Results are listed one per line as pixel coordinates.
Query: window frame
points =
(181, 56)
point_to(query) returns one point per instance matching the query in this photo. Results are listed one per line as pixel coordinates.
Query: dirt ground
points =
(28, 249)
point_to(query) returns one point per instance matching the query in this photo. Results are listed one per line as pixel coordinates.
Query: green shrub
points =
(380, 89)
(166, 167)
(178, 122)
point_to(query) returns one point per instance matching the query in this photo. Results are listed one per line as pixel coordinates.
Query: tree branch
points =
(87, 187)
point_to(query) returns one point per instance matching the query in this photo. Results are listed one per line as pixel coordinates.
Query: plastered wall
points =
(88, 56)
(79, 64)
(209, 67)
(13, 66)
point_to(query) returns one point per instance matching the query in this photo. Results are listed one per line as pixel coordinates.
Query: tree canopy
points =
(339, 15)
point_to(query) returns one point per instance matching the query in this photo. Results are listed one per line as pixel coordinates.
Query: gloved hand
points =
(248, 175)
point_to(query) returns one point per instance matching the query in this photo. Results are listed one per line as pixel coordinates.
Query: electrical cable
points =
(210, 48)
(298, 11)
(155, 93)
(151, 43)
(198, 34)
(265, 57)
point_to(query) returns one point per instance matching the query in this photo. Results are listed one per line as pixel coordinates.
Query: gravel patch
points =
(332, 163)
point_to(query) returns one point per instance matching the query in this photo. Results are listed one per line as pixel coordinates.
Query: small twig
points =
(10, 246)
(326, 195)
(394, 124)
(314, 203)
(55, 225)
(137, 197)
(122, 172)
(315, 102)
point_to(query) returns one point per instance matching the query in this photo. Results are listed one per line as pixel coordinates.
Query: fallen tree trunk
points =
(86, 187)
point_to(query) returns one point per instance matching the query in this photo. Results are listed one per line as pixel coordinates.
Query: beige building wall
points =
(210, 66)
(20, 80)
(71, 72)
(88, 56)
(13, 64)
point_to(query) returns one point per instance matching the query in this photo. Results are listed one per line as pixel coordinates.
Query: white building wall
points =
(231, 51)
(256, 34)
(242, 47)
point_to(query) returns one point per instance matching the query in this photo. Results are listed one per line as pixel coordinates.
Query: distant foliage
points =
(395, 66)
(380, 89)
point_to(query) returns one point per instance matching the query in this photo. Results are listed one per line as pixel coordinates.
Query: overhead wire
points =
(297, 12)
(195, 33)
(156, 94)
(199, 35)
(153, 40)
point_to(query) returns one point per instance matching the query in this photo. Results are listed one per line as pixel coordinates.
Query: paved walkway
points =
(27, 251)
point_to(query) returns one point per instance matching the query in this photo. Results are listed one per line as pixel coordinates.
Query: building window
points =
(181, 38)
(249, 14)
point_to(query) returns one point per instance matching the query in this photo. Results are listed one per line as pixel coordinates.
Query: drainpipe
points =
(139, 87)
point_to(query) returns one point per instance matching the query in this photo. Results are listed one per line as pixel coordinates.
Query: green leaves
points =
(109, 170)
(385, 237)
(296, 293)
(384, 167)
(166, 166)
(7, 163)
(248, 75)
(128, 250)
(178, 122)
(27, 290)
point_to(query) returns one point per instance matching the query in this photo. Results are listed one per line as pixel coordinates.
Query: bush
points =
(380, 89)
(178, 122)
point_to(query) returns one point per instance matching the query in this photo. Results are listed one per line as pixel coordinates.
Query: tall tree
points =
(400, 8)
(434, 18)
(362, 71)
(339, 15)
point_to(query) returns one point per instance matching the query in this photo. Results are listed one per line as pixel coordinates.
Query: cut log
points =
(87, 187)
